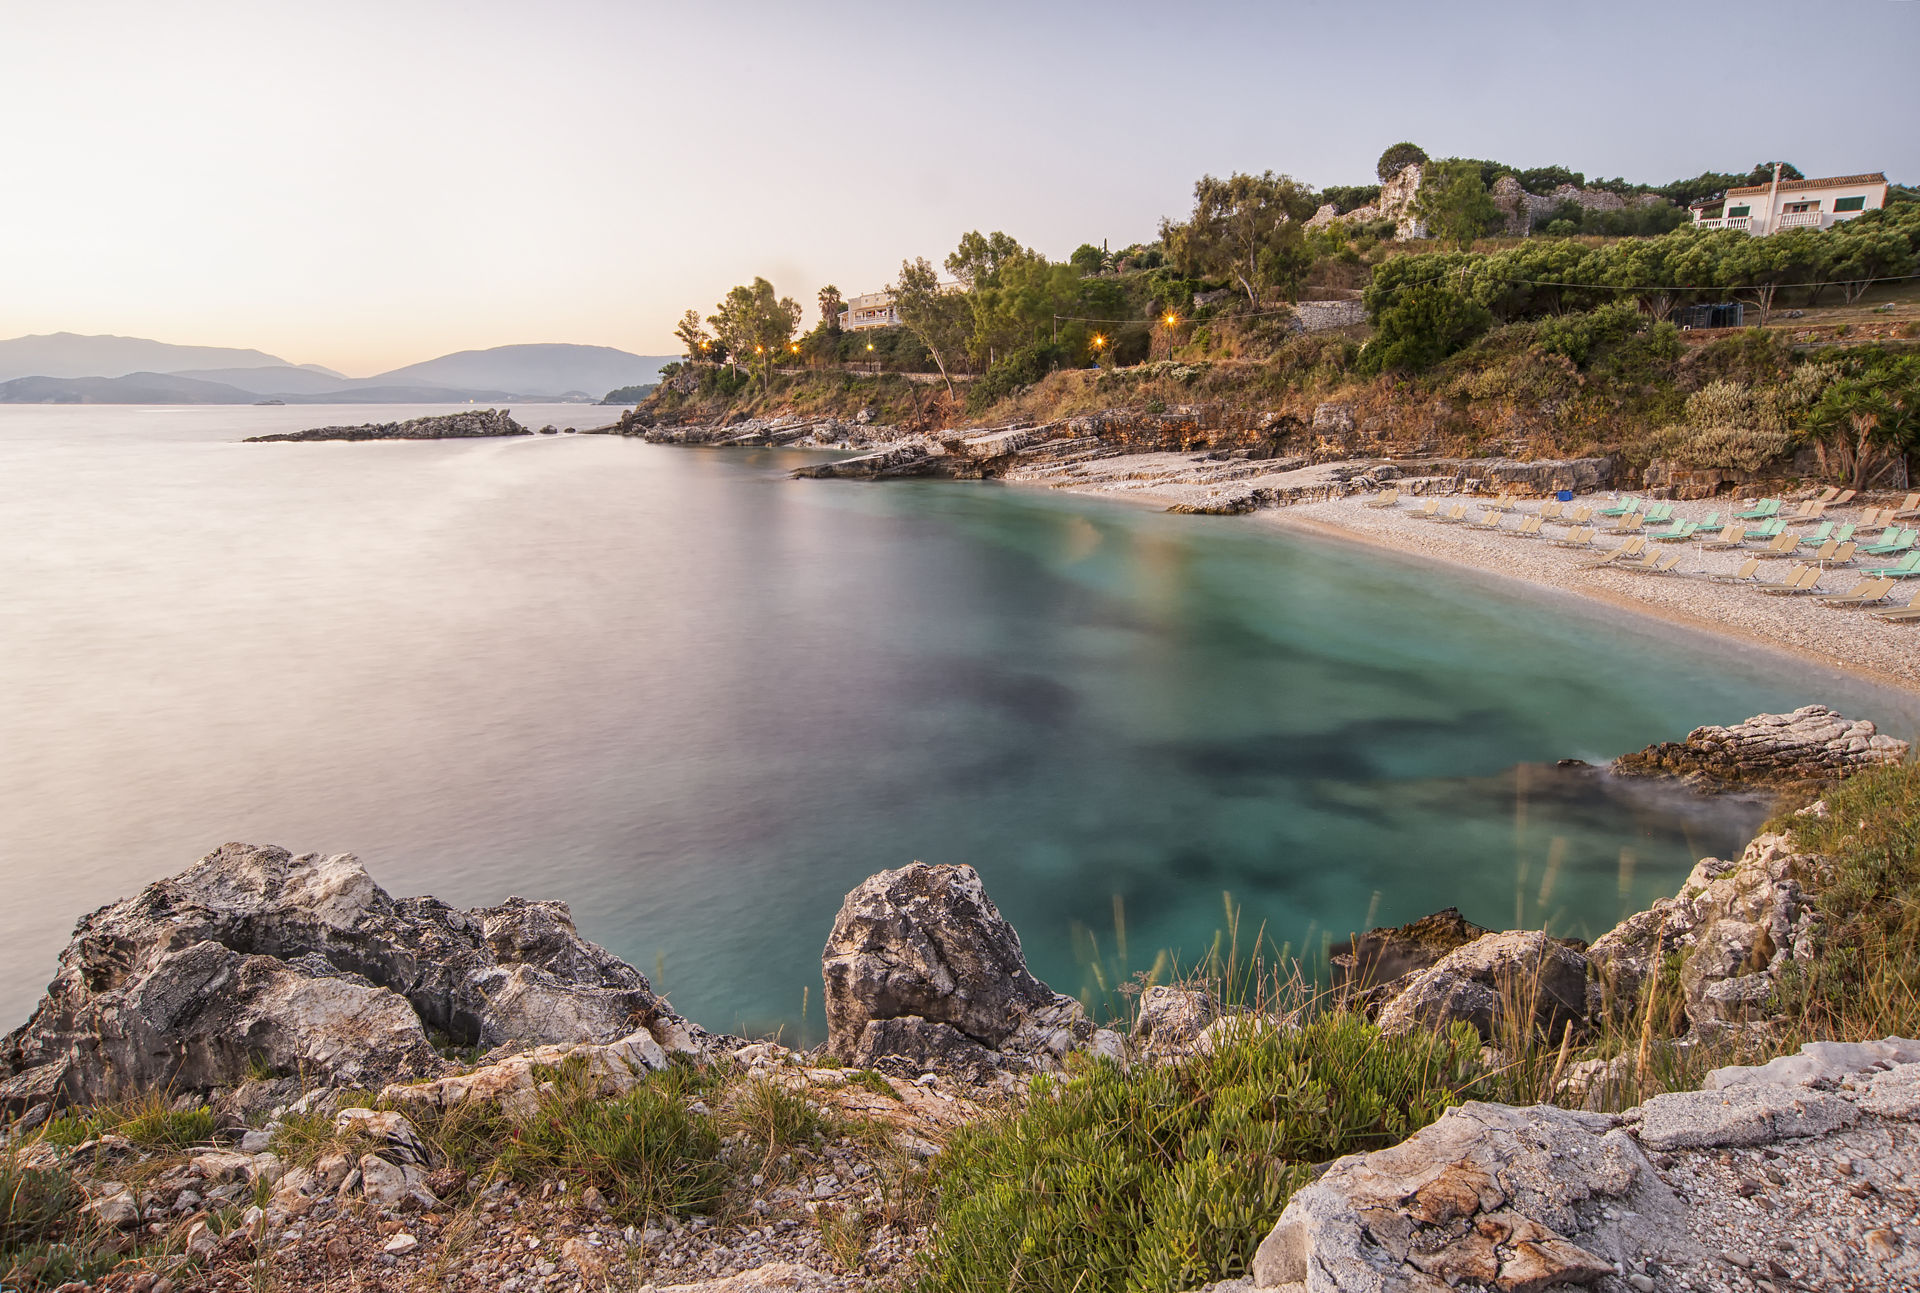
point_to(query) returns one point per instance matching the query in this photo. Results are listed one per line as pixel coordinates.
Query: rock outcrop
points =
(445, 426)
(922, 971)
(1485, 979)
(303, 964)
(1370, 970)
(1693, 1189)
(1732, 926)
(1812, 744)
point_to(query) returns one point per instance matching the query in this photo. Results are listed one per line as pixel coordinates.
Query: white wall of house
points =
(1796, 204)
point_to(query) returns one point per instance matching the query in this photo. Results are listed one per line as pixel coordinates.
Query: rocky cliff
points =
(446, 426)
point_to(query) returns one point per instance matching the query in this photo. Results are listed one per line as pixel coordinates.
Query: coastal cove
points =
(698, 701)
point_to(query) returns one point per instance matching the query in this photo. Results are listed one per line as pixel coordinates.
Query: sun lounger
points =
(1630, 550)
(1581, 536)
(1819, 536)
(1458, 513)
(1746, 574)
(1908, 567)
(1767, 531)
(1529, 528)
(1878, 518)
(1805, 514)
(1430, 512)
(1731, 537)
(1625, 506)
(1552, 511)
(1663, 566)
(1793, 578)
(1659, 512)
(1897, 546)
(1390, 498)
(1806, 584)
(1842, 555)
(1504, 503)
(1488, 521)
(1679, 532)
(1845, 496)
(1580, 515)
(1764, 510)
(1908, 614)
(1828, 494)
(1628, 524)
(1906, 510)
(1784, 544)
(1864, 593)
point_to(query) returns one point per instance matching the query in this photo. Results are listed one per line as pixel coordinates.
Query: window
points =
(1734, 213)
(1800, 208)
(1850, 204)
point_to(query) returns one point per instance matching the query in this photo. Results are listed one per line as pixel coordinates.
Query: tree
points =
(1235, 223)
(830, 307)
(1397, 159)
(1863, 255)
(942, 319)
(1418, 325)
(755, 325)
(1759, 266)
(1454, 202)
(1088, 259)
(1287, 259)
(1869, 417)
(695, 338)
(976, 261)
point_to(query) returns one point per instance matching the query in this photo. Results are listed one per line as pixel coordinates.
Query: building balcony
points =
(1726, 222)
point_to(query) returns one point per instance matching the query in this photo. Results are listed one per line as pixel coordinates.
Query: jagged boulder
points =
(1731, 928)
(1172, 1020)
(925, 943)
(1371, 969)
(1482, 981)
(1811, 744)
(304, 963)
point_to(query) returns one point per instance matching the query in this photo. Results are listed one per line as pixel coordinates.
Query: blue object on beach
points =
(1565, 496)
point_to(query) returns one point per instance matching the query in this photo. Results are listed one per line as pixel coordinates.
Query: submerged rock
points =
(303, 964)
(1812, 744)
(925, 944)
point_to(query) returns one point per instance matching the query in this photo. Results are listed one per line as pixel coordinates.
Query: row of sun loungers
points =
(1833, 544)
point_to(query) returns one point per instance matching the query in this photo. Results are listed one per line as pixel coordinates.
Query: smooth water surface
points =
(699, 701)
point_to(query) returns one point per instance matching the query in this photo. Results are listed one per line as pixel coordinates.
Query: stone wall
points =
(1324, 316)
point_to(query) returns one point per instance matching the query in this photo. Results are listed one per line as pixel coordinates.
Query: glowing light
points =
(1171, 320)
(1098, 341)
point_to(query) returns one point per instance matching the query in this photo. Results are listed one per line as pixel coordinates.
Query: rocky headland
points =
(347, 1047)
(444, 426)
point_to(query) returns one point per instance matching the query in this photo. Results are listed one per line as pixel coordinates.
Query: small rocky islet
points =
(274, 988)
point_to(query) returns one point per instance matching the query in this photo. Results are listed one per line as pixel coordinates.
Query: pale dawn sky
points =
(365, 185)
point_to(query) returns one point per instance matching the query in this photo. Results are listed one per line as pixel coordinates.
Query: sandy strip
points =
(1849, 639)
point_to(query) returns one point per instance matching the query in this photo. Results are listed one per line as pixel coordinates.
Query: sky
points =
(366, 185)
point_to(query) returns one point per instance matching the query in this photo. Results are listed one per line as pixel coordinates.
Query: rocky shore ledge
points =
(333, 1038)
(444, 426)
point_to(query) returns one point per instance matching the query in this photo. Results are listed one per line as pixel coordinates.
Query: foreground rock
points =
(922, 972)
(1768, 1178)
(446, 426)
(1376, 966)
(1812, 744)
(254, 957)
(1482, 981)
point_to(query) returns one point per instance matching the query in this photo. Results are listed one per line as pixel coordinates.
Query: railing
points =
(1725, 222)
(1802, 220)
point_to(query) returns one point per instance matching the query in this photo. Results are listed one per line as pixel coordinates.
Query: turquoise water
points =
(699, 701)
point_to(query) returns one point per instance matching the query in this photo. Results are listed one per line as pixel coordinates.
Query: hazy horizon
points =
(365, 186)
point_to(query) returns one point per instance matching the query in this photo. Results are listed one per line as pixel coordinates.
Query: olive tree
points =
(943, 320)
(1238, 229)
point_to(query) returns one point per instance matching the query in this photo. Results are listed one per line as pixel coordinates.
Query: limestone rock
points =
(1746, 1114)
(926, 943)
(776, 1277)
(909, 1046)
(1478, 981)
(304, 962)
(1517, 1199)
(1813, 743)
(1818, 1062)
(1172, 1019)
(614, 1068)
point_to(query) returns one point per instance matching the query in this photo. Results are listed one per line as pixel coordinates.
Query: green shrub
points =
(1023, 367)
(43, 1242)
(1166, 1178)
(1722, 445)
(1866, 981)
(647, 1151)
(1420, 325)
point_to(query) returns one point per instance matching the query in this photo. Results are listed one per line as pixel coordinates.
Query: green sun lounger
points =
(1766, 509)
(1627, 505)
(1908, 567)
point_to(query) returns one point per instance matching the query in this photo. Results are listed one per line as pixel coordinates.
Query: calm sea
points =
(699, 701)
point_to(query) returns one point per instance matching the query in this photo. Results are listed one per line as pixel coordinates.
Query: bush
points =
(1866, 981)
(1576, 335)
(1721, 444)
(1421, 325)
(43, 1242)
(1023, 367)
(1165, 1178)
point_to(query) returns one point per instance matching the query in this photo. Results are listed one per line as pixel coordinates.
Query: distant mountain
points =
(133, 388)
(68, 354)
(550, 369)
(277, 379)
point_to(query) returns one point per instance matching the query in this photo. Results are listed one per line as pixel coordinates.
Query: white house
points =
(873, 310)
(1792, 204)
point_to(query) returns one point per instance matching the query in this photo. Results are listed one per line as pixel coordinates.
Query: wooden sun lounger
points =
(1908, 614)
(1529, 528)
(1552, 511)
(1580, 515)
(1783, 544)
(1842, 555)
(1845, 497)
(1459, 513)
(1430, 512)
(1864, 593)
(1664, 566)
(1828, 494)
(1731, 537)
(1581, 536)
(1629, 523)
(1906, 510)
(1389, 499)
